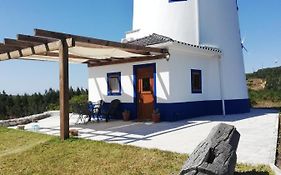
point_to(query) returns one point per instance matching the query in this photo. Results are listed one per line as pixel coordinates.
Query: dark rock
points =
(73, 132)
(216, 155)
(20, 127)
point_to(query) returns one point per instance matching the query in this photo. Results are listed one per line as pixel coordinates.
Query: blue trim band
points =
(122, 107)
(185, 110)
(237, 106)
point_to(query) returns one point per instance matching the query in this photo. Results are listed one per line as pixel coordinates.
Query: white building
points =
(204, 74)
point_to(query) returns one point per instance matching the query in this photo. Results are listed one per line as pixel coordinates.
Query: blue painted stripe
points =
(185, 110)
(237, 106)
(180, 111)
(123, 106)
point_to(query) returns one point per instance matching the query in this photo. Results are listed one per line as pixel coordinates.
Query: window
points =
(196, 81)
(145, 84)
(176, 0)
(114, 83)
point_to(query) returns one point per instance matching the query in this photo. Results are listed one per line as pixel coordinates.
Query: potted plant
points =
(126, 115)
(156, 116)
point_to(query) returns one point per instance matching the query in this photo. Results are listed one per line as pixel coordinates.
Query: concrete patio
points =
(257, 144)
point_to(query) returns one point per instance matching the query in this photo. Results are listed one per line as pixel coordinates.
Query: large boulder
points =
(216, 155)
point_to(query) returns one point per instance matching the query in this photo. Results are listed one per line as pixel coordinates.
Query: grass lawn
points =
(31, 153)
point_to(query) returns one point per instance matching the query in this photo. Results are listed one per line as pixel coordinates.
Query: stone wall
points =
(24, 120)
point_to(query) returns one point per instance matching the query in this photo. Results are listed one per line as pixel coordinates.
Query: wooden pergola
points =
(65, 48)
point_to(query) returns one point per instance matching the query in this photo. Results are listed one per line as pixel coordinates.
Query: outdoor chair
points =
(90, 110)
(113, 109)
(96, 110)
(83, 113)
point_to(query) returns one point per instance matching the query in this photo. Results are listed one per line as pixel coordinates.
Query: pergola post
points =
(64, 90)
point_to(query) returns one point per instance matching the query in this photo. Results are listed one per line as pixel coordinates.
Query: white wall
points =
(219, 26)
(178, 76)
(177, 20)
(173, 80)
(98, 83)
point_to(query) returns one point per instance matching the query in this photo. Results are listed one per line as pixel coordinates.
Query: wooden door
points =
(145, 93)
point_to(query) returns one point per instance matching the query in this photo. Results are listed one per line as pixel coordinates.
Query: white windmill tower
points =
(201, 22)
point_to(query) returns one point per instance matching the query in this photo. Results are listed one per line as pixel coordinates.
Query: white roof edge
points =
(188, 48)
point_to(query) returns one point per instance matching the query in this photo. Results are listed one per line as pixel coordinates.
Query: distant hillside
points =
(271, 75)
(265, 87)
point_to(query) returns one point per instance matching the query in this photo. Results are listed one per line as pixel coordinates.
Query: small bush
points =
(77, 100)
(52, 107)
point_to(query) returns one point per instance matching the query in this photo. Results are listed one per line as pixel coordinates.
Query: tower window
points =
(196, 81)
(114, 83)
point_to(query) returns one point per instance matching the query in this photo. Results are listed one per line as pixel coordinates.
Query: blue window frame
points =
(114, 84)
(176, 0)
(196, 81)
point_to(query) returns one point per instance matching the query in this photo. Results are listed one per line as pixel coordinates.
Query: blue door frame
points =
(135, 68)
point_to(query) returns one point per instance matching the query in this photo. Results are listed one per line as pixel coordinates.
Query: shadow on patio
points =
(118, 131)
(129, 132)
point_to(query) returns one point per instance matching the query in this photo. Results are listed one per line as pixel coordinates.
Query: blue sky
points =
(260, 23)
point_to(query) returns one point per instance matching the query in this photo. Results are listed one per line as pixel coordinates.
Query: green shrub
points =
(52, 107)
(78, 100)
(270, 95)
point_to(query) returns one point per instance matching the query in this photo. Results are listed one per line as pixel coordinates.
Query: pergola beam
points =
(129, 60)
(34, 50)
(5, 48)
(95, 45)
(116, 58)
(21, 44)
(9, 47)
(70, 56)
(36, 39)
(18, 43)
(90, 42)
(56, 55)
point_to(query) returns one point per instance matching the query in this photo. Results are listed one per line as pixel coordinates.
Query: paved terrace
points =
(257, 144)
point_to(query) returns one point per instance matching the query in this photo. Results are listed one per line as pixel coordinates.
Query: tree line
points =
(15, 106)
